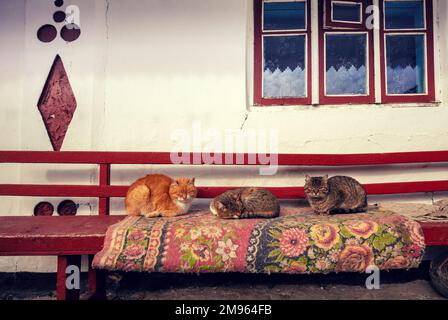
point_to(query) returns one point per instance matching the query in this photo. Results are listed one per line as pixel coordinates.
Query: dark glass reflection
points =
(347, 12)
(284, 15)
(404, 14)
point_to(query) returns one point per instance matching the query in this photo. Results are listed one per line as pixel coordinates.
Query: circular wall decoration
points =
(67, 208)
(47, 33)
(59, 16)
(43, 209)
(70, 32)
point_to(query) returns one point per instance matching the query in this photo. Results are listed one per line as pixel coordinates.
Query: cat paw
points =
(170, 214)
(152, 214)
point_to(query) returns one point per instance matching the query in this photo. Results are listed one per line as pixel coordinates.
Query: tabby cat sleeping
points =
(158, 195)
(245, 203)
(335, 195)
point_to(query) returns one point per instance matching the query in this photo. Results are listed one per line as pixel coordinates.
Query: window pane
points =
(405, 64)
(284, 73)
(284, 15)
(346, 72)
(404, 14)
(346, 12)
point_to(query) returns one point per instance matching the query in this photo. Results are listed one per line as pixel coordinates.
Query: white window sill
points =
(280, 108)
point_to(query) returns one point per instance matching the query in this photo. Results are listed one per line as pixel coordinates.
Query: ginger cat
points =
(158, 195)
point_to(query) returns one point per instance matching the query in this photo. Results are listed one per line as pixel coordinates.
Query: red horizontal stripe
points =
(243, 159)
(205, 192)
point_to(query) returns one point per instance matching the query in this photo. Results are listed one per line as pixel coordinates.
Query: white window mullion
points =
(436, 52)
(377, 53)
(315, 51)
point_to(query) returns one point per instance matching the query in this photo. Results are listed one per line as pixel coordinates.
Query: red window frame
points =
(420, 98)
(429, 97)
(346, 99)
(258, 59)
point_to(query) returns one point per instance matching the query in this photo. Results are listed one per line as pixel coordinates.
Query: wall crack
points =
(244, 121)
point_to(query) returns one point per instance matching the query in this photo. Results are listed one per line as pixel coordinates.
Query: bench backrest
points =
(104, 190)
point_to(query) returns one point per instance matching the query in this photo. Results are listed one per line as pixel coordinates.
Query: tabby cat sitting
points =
(245, 203)
(335, 195)
(159, 195)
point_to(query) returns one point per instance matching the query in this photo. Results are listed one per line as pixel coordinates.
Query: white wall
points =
(143, 68)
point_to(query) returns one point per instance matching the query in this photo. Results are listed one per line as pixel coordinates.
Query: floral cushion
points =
(296, 242)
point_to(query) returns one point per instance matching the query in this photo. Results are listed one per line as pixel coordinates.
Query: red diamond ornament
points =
(57, 104)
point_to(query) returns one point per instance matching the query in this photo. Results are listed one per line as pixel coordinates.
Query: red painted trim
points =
(431, 96)
(323, 98)
(258, 60)
(356, 100)
(104, 179)
(96, 282)
(361, 159)
(80, 235)
(280, 192)
(104, 191)
(61, 277)
(406, 187)
(204, 192)
(85, 157)
(258, 54)
(81, 191)
(436, 233)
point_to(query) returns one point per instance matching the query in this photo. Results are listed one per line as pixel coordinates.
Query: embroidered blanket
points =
(296, 242)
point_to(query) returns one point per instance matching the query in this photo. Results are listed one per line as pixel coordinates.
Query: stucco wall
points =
(142, 69)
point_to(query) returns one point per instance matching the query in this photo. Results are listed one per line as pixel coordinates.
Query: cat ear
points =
(325, 178)
(219, 205)
(192, 180)
(175, 183)
(307, 178)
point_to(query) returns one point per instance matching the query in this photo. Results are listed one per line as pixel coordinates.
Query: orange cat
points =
(158, 195)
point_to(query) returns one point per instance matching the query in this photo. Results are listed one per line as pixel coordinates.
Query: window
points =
(282, 53)
(344, 13)
(346, 62)
(346, 59)
(407, 66)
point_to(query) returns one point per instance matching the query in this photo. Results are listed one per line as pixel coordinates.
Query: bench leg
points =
(96, 282)
(61, 290)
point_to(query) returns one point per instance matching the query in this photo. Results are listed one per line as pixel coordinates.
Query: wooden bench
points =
(69, 238)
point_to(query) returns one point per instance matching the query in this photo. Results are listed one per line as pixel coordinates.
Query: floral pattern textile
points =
(295, 242)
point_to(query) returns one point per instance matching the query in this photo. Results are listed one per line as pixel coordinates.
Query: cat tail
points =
(276, 211)
(356, 210)
(363, 207)
(342, 211)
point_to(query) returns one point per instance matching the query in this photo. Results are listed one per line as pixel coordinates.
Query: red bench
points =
(69, 238)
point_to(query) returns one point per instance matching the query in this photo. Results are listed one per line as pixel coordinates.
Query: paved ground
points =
(412, 284)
